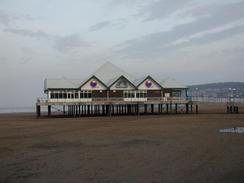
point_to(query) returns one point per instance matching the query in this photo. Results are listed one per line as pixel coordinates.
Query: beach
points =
(151, 148)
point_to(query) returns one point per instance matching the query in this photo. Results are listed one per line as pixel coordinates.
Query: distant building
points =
(110, 85)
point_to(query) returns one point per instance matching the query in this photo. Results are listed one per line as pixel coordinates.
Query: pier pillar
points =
(73, 107)
(117, 109)
(106, 109)
(128, 108)
(176, 108)
(112, 109)
(97, 110)
(38, 110)
(49, 110)
(76, 110)
(109, 109)
(137, 109)
(187, 108)
(73, 110)
(167, 108)
(152, 108)
(70, 110)
(91, 109)
(64, 109)
(88, 110)
(79, 110)
(103, 110)
(145, 108)
(196, 109)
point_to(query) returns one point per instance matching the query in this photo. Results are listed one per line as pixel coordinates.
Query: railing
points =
(217, 100)
(116, 99)
(148, 99)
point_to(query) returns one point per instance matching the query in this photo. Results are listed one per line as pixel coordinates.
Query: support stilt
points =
(49, 110)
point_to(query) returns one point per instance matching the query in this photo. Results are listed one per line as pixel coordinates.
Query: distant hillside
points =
(226, 89)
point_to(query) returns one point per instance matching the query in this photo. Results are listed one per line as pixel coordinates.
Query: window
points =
(69, 95)
(52, 95)
(138, 94)
(55, 95)
(89, 95)
(85, 94)
(176, 93)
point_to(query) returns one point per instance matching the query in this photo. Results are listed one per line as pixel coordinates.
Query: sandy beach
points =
(150, 149)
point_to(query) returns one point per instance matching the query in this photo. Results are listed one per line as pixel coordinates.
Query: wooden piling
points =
(152, 108)
(187, 108)
(38, 110)
(49, 110)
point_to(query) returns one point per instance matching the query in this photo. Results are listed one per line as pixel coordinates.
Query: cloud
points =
(9, 18)
(25, 60)
(127, 2)
(162, 8)
(61, 43)
(66, 43)
(6, 18)
(213, 34)
(157, 44)
(3, 60)
(99, 26)
(29, 33)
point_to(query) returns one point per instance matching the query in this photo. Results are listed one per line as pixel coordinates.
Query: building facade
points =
(110, 85)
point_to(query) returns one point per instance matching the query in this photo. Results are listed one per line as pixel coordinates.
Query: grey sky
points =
(193, 41)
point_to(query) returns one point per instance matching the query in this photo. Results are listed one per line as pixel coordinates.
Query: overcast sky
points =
(193, 41)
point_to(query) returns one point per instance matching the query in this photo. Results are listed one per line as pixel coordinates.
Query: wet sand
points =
(150, 149)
